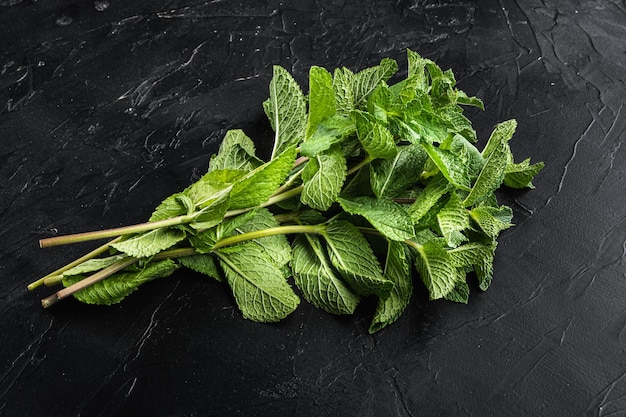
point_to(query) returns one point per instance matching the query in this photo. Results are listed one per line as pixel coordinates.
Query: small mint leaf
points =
(118, 286)
(150, 243)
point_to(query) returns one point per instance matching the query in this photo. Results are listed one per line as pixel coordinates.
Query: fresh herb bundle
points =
(371, 181)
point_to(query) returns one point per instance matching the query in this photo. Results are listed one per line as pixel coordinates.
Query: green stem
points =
(92, 279)
(359, 166)
(118, 231)
(99, 250)
(279, 230)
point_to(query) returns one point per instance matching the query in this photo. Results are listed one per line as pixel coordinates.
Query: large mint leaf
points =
(352, 256)
(452, 165)
(321, 98)
(256, 187)
(390, 177)
(397, 268)
(491, 176)
(437, 270)
(387, 217)
(376, 139)
(521, 175)
(368, 79)
(323, 178)
(286, 110)
(316, 278)
(259, 286)
(150, 243)
(237, 152)
(118, 286)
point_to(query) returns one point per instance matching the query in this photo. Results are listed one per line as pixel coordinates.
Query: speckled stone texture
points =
(107, 107)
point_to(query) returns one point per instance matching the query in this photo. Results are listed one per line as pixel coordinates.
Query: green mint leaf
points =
(453, 218)
(388, 177)
(459, 144)
(93, 265)
(420, 125)
(150, 243)
(376, 139)
(367, 80)
(323, 178)
(491, 175)
(256, 187)
(213, 187)
(352, 256)
(173, 206)
(211, 215)
(437, 270)
(277, 247)
(502, 133)
(397, 269)
(452, 165)
(259, 286)
(462, 98)
(343, 80)
(521, 175)
(459, 294)
(380, 102)
(329, 132)
(477, 256)
(118, 286)
(237, 152)
(417, 70)
(204, 264)
(387, 217)
(315, 276)
(286, 110)
(321, 98)
(492, 220)
(428, 197)
(459, 124)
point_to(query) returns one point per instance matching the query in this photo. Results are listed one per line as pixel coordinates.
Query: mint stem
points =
(279, 230)
(118, 231)
(98, 276)
(99, 250)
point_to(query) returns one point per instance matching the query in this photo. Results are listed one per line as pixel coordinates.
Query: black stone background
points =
(107, 107)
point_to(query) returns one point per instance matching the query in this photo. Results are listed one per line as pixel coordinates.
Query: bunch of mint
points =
(369, 185)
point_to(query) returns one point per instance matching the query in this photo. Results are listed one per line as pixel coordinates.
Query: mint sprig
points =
(370, 184)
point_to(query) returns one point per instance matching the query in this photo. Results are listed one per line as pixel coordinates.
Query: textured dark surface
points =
(107, 108)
